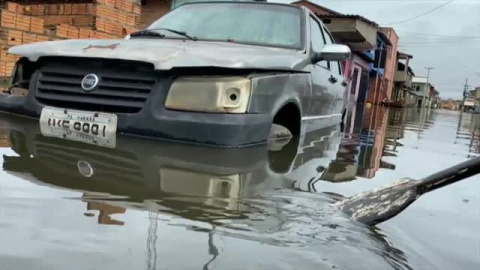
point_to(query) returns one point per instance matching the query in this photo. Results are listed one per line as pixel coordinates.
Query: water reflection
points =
(237, 193)
(468, 132)
(242, 195)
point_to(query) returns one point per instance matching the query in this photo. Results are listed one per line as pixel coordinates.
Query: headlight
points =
(209, 94)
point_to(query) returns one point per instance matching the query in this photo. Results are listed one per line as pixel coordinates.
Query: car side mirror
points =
(334, 52)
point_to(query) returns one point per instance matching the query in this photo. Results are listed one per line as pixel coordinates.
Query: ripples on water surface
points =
(154, 205)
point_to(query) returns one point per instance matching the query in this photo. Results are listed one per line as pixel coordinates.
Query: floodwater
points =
(157, 205)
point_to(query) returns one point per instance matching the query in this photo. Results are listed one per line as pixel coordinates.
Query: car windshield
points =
(271, 25)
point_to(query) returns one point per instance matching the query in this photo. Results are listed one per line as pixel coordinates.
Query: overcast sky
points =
(447, 39)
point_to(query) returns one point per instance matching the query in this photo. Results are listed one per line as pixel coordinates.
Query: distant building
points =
(422, 90)
(370, 70)
(434, 97)
(450, 104)
(477, 93)
(403, 93)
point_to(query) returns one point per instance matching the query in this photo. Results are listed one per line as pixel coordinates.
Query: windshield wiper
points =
(147, 33)
(181, 33)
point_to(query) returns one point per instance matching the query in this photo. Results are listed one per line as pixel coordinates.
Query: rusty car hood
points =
(166, 54)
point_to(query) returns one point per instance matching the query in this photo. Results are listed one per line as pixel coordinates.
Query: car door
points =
(323, 95)
(336, 80)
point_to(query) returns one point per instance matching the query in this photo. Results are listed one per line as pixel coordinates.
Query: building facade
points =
(422, 90)
(403, 94)
(391, 60)
(360, 34)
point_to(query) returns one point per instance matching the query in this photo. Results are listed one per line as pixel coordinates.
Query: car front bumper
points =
(224, 130)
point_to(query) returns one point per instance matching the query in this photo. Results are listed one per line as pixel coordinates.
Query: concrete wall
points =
(423, 93)
(349, 65)
(391, 63)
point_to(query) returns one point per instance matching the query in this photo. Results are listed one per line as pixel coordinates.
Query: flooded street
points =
(146, 204)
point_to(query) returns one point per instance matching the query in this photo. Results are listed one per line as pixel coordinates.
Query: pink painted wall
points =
(391, 63)
(348, 66)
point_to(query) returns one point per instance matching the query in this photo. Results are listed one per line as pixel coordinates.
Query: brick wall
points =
(23, 22)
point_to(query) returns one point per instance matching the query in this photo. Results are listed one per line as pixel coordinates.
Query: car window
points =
(271, 25)
(318, 39)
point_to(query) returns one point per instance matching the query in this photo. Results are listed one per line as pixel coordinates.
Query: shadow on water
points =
(270, 197)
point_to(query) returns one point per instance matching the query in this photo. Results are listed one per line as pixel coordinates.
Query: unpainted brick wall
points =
(27, 21)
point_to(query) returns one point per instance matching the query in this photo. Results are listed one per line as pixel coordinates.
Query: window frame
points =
(333, 42)
(320, 24)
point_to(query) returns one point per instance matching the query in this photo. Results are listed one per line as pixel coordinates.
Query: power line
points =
(422, 14)
(430, 35)
(437, 41)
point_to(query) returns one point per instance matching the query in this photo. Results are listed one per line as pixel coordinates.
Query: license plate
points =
(88, 127)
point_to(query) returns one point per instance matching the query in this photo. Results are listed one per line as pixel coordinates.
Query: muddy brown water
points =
(160, 205)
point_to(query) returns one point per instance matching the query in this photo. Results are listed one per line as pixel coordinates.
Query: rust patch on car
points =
(111, 46)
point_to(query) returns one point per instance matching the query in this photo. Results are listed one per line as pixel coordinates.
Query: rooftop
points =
(335, 14)
(419, 80)
(402, 55)
(350, 16)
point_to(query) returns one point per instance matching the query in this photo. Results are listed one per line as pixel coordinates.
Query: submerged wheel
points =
(289, 117)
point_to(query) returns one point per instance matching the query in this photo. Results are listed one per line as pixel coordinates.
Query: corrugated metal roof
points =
(317, 6)
(336, 14)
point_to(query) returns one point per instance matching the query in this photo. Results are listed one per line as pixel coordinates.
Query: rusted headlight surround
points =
(210, 94)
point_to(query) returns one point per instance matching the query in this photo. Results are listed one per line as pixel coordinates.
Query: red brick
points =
(67, 9)
(137, 9)
(52, 10)
(28, 38)
(131, 20)
(23, 22)
(14, 37)
(91, 9)
(7, 19)
(41, 38)
(62, 30)
(4, 56)
(12, 7)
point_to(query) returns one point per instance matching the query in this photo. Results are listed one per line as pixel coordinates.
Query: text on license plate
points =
(89, 127)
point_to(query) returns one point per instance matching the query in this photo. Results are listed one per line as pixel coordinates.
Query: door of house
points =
(354, 85)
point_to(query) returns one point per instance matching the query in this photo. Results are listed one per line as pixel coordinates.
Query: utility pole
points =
(465, 88)
(465, 93)
(428, 73)
(428, 81)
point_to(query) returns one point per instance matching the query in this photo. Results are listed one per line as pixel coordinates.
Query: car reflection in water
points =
(221, 187)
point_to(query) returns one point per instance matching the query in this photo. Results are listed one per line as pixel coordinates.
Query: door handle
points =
(332, 79)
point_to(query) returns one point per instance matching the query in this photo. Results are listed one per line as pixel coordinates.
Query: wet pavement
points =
(158, 205)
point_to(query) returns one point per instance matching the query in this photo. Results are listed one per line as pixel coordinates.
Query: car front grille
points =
(123, 87)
